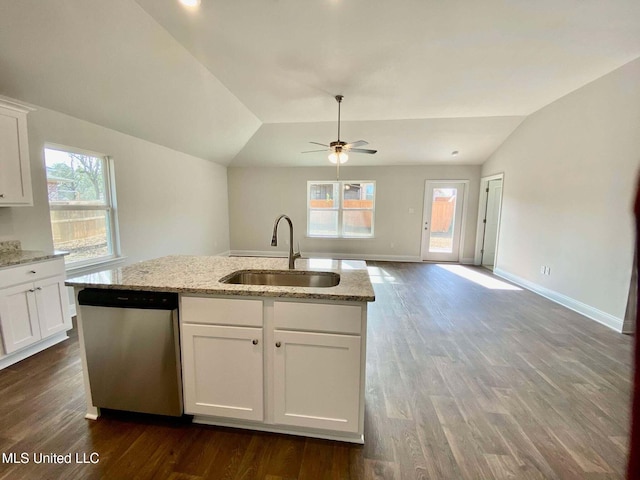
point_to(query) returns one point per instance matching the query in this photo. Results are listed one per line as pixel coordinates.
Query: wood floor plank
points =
(463, 382)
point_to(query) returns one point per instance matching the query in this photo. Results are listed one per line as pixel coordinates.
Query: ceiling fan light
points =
(190, 3)
(334, 157)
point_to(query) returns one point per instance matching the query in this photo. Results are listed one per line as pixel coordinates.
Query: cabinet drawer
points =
(31, 272)
(221, 311)
(318, 317)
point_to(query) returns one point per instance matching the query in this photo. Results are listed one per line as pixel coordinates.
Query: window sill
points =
(75, 270)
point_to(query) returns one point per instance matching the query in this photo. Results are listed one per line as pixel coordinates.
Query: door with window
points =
(442, 222)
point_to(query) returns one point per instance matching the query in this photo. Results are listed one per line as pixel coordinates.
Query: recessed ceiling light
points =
(190, 3)
(454, 153)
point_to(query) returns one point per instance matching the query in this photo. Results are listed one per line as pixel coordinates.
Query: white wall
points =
(168, 202)
(570, 172)
(258, 195)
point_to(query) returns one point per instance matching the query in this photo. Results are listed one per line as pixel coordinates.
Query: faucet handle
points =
(298, 253)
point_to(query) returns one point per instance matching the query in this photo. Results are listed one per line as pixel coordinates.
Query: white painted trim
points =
(226, 253)
(32, 350)
(482, 210)
(588, 311)
(351, 438)
(467, 261)
(16, 105)
(334, 255)
(463, 216)
(76, 271)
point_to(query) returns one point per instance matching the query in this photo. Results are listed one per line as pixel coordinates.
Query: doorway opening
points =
(489, 214)
(443, 220)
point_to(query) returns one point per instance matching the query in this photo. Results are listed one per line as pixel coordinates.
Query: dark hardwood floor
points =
(463, 382)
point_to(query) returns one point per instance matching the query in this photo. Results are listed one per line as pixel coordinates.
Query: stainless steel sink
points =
(283, 278)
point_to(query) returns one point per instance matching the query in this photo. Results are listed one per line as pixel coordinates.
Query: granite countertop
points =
(11, 254)
(201, 275)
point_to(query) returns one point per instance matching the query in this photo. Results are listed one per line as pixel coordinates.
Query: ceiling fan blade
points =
(312, 151)
(359, 143)
(316, 143)
(362, 150)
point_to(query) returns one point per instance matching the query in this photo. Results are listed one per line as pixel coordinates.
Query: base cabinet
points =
(222, 371)
(287, 366)
(32, 311)
(317, 380)
(19, 317)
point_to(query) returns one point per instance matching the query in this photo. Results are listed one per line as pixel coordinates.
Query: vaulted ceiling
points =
(251, 82)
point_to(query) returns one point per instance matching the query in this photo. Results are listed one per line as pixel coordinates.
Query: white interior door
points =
(442, 222)
(492, 216)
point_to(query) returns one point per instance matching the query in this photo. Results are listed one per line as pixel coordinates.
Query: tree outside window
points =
(81, 206)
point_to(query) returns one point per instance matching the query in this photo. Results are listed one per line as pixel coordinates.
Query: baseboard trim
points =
(337, 256)
(588, 311)
(226, 253)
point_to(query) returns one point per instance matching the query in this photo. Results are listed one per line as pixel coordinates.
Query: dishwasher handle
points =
(100, 297)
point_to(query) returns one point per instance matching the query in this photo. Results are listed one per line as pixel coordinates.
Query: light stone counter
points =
(201, 275)
(11, 254)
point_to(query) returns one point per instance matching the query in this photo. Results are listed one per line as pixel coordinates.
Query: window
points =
(81, 204)
(341, 209)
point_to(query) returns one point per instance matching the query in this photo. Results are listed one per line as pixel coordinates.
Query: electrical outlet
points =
(543, 270)
(548, 270)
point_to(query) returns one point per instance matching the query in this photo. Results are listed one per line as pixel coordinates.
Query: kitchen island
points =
(276, 358)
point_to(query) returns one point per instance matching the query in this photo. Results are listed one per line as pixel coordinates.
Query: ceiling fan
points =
(340, 149)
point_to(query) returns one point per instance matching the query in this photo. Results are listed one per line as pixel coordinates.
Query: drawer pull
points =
(32, 290)
(255, 342)
(38, 288)
(1, 195)
(32, 271)
(278, 344)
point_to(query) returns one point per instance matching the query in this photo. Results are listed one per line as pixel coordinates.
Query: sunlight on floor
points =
(378, 275)
(479, 278)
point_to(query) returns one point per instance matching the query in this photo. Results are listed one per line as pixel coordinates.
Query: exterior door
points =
(442, 222)
(492, 216)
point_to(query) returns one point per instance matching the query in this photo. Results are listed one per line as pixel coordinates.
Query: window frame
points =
(109, 207)
(339, 207)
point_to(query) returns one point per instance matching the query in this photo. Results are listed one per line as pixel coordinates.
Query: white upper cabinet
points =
(15, 174)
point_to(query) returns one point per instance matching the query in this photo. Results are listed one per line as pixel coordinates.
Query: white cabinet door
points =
(15, 174)
(52, 304)
(18, 317)
(317, 380)
(222, 371)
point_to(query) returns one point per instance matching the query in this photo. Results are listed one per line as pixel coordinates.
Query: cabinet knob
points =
(1, 195)
(38, 288)
(255, 342)
(278, 344)
(32, 271)
(32, 290)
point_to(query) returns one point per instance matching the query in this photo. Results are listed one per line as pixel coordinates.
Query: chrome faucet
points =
(274, 240)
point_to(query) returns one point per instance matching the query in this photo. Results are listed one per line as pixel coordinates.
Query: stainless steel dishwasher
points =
(133, 355)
